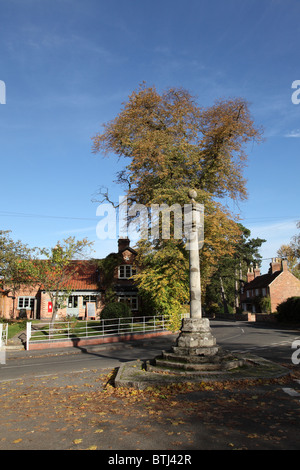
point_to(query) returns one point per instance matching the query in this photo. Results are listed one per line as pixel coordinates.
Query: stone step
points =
(198, 351)
(159, 370)
(190, 358)
(184, 366)
(225, 365)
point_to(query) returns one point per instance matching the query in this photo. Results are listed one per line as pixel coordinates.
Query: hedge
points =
(116, 310)
(289, 310)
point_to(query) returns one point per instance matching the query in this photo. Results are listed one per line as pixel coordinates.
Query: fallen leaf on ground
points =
(77, 441)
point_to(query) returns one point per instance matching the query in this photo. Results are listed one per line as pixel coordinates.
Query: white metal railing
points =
(72, 329)
(3, 334)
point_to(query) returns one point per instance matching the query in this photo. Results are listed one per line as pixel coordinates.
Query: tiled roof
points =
(82, 275)
(262, 281)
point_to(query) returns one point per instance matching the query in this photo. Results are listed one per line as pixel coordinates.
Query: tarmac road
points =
(28, 364)
(270, 342)
(60, 401)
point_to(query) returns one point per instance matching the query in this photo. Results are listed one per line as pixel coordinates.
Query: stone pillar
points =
(195, 337)
(195, 282)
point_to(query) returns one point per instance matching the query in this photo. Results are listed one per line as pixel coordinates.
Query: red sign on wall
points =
(49, 307)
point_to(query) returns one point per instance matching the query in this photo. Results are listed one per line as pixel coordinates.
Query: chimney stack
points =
(256, 271)
(275, 265)
(250, 274)
(123, 243)
(284, 265)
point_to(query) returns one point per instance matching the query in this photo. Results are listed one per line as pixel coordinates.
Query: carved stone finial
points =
(192, 194)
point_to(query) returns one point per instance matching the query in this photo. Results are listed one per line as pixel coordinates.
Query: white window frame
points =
(89, 298)
(73, 301)
(22, 301)
(132, 300)
(125, 271)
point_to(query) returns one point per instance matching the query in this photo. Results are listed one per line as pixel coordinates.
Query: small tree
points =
(11, 254)
(292, 253)
(53, 273)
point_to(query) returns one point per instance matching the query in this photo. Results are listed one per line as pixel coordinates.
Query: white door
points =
(73, 306)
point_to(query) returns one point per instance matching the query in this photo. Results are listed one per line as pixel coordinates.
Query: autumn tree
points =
(52, 268)
(171, 145)
(11, 252)
(291, 252)
(224, 286)
(163, 279)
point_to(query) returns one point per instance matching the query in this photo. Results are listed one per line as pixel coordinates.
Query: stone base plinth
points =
(195, 352)
(195, 338)
(197, 359)
(195, 364)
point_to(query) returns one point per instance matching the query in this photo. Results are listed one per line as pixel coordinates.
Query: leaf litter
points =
(88, 412)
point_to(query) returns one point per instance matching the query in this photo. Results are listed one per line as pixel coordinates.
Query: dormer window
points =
(126, 271)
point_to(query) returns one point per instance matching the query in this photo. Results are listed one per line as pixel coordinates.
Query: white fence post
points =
(28, 334)
(3, 334)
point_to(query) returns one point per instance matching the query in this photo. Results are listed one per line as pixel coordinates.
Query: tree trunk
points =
(54, 312)
(223, 295)
(236, 291)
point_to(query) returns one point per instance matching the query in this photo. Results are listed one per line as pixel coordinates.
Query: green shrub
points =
(265, 304)
(116, 310)
(289, 310)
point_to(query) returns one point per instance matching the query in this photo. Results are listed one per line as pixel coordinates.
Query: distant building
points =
(278, 284)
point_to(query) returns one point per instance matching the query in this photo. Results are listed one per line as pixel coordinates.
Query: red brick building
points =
(85, 281)
(124, 287)
(278, 284)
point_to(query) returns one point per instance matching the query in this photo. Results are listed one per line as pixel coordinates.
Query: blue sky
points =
(68, 65)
